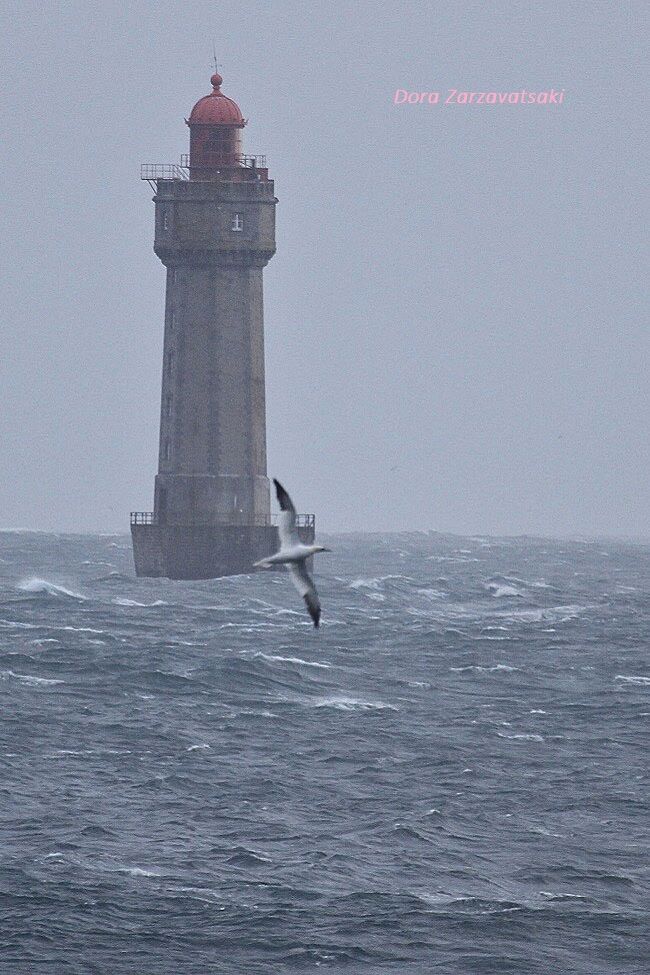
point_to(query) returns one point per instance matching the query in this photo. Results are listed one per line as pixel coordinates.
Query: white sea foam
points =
(449, 558)
(82, 629)
(369, 588)
(256, 714)
(520, 737)
(482, 669)
(561, 896)
(15, 625)
(197, 748)
(138, 872)
(351, 704)
(498, 590)
(555, 614)
(256, 627)
(122, 601)
(289, 660)
(633, 679)
(36, 585)
(377, 581)
(28, 678)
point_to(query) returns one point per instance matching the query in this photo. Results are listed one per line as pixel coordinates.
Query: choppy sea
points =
(448, 777)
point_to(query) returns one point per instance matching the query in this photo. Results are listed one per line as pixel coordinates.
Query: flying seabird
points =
(294, 554)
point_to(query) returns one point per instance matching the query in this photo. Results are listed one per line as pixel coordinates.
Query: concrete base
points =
(181, 552)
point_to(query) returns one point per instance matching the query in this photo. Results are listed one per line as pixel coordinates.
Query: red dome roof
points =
(216, 108)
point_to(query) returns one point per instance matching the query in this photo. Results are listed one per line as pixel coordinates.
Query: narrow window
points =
(167, 451)
(173, 275)
(168, 406)
(165, 220)
(173, 322)
(170, 360)
(237, 222)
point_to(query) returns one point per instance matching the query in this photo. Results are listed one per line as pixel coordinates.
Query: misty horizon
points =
(453, 327)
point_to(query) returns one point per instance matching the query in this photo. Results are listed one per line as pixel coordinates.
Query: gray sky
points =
(457, 296)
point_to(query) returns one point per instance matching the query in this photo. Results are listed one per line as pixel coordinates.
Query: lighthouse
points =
(214, 233)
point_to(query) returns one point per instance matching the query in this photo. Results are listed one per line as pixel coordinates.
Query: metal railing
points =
(226, 159)
(142, 518)
(154, 171)
(302, 521)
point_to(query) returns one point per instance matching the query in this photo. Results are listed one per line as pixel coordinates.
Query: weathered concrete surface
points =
(194, 552)
(212, 455)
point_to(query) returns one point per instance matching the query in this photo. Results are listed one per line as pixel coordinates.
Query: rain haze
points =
(453, 318)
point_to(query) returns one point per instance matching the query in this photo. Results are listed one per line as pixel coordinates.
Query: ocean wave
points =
(555, 614)
(123, 601)
(37, 586)
(288, 660)
(481, 669)
(377, 582)
(350, 704)
(369, 588)
(303, 782)
(242, 857)
(549, 895)
(83, 629)
(449, 558)
(260, 627)
(522, 736)
(28, 678)
(169, 677)
(500, 591)
(138, 872)
(113, 576)
(373, 587)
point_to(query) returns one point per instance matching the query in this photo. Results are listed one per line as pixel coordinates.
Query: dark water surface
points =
(449, 777)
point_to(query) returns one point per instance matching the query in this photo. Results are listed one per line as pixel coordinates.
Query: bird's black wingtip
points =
(313, 608)
(284, 500)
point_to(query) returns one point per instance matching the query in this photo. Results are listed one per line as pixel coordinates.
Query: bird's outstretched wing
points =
(305, 586)
(287, 520)
(285, 502)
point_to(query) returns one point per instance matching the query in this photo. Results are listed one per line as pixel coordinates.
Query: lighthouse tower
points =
(215, 233)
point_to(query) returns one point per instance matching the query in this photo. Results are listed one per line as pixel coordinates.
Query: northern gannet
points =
(294, 554)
